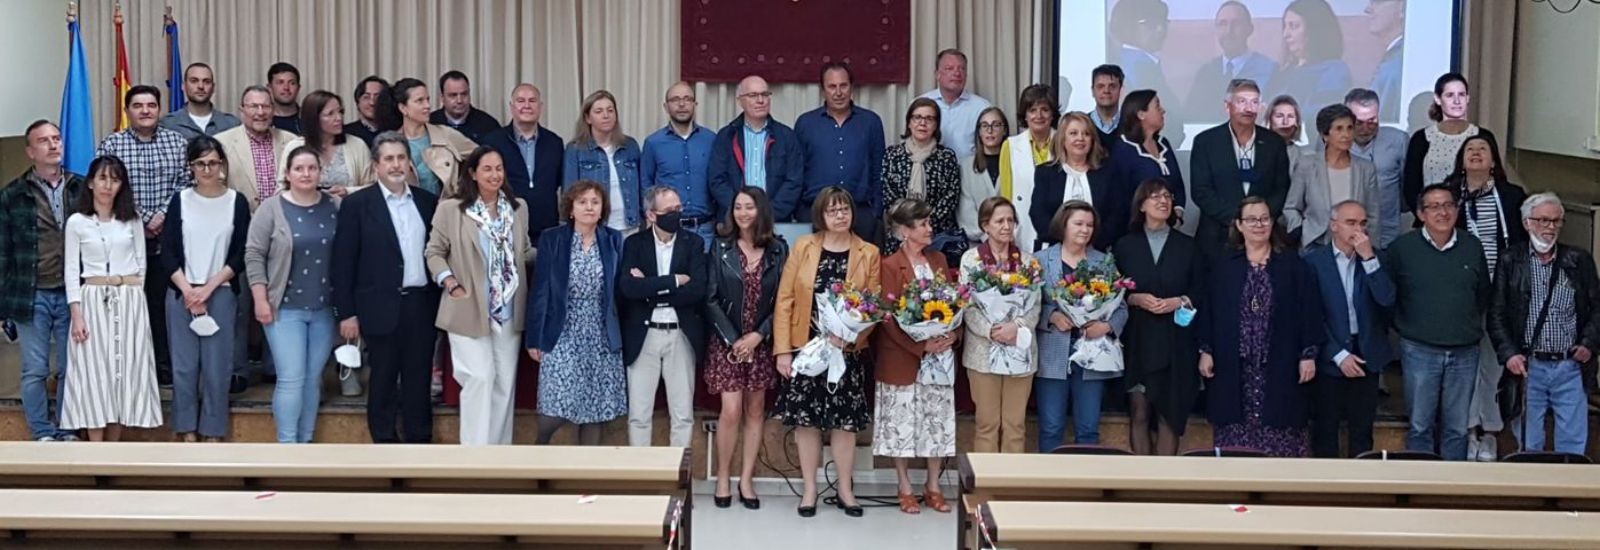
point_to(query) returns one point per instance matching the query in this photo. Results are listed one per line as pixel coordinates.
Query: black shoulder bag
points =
(1511, 393)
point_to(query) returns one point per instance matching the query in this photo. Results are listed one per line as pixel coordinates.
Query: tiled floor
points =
(776, 526)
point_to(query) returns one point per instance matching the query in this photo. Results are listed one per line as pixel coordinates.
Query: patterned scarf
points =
(1013, 257)
(917, 187)
(500, 259)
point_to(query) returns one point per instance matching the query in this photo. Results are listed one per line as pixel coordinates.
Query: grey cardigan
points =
(269, 248)
(1309, 205)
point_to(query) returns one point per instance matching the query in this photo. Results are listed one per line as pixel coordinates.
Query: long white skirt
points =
(111, 377)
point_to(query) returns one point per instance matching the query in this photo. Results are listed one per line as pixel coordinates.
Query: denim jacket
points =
(587, 161)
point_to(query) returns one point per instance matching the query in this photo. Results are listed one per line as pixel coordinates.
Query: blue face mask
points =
(1183, 316)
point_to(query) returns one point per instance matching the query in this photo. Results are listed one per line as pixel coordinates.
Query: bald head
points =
(755, 99)
(527, 105)
(680, 104)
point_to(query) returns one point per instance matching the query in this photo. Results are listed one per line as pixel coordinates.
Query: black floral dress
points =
(942, 192)
(809, 401)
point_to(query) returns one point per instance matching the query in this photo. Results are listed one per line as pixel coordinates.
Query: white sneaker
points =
(1474, 446)
(1487, 448)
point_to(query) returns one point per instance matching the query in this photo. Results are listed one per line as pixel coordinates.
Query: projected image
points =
(1312, 50)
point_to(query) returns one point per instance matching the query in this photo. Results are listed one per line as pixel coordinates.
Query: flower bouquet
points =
(1003, 296)
(843, 311)
(1090, 293)
(928, 309)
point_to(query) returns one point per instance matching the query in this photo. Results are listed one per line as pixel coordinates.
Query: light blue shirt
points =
(755, 156)
(959, 120)
(528, 147)
(1388, 152)
(408, 230)
(426, 179)
(1105, 126)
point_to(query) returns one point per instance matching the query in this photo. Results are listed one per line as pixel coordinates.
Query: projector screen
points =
(1316, 52)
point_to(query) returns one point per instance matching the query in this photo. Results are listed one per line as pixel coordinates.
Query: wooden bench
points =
(331, 467)
(75, 518)
(1125, 525)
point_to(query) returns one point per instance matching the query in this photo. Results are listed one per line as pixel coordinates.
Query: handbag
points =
(1512, 393)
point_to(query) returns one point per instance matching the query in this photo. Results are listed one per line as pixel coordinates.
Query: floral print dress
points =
(810, 401)
(1255, 316)
(582, 380)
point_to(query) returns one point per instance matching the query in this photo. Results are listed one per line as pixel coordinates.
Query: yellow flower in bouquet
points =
(937, 310)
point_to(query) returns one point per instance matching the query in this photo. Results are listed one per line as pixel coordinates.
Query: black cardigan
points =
(1411, 178)
(173, 256)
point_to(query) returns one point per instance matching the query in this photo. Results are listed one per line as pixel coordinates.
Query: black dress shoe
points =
(164, 376)
(751, 503)
(724, 502)
(807, 511)
(238, 385)
(852, 511)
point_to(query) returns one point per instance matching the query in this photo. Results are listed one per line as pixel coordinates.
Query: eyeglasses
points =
(915, 119)
(1545, 222)
(1439, 206)
(1161, 196)
(680, 100)
(992, 127)
(1257, 221)
(757, 95)
(838, 211)
(206, 164)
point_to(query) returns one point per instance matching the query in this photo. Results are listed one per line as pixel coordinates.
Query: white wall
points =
(33, 35)
(1557, 103)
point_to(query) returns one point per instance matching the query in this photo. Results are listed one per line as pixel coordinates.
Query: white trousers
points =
(486, 368)
(666, 355)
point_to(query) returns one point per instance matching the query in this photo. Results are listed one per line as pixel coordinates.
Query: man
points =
(1385, 147)
(33, 214)
(365, 126)
(1106, 82)
(663, 286)
(1386, 21)
(156, 170)
(1140, 28)
(843, 146)
(1545, 325)
(1232, 161)
(199, 116)
(284, 79)
(1443, 287)
(758, 151)
(532, 156)
(677, 156)
(1233, 25)
(958, 108)
(456, 110)
(1357, 300)
(381, 292)
(252, 151)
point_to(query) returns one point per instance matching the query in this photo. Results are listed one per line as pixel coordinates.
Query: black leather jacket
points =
(1513, 301)
(725, 305)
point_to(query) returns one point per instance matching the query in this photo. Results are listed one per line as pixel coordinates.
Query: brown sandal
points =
(936, 502)
(908, 504)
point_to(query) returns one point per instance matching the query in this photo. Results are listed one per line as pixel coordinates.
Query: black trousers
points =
(402, 372)
(155, 298)
(1351, 400)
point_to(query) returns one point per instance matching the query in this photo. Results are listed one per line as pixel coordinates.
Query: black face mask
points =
(670, 222)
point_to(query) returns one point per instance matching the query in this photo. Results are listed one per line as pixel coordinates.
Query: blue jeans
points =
(1556, 386)
(1439, 385)
(1053, 397)
(707, 232)
(52, 321)
(300, 340)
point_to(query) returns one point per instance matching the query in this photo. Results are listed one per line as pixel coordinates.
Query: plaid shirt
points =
(19, 242)
(156, 168)
(1560, 330)
(266, 173)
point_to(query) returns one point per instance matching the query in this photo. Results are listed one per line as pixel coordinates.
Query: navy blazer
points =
(1374, 299)
(547, 304)
(785, 168)
(641, 295)
(368, 270)
(1293, 332)
(1049, 192)
(542, 189)
(1215, 185)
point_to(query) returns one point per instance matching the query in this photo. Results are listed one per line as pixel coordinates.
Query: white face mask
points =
(1540, 245)
(204, 325)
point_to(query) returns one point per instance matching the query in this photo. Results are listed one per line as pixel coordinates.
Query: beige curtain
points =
(568, 48)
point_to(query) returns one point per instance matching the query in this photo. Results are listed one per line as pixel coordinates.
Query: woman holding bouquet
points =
(834, 254)
(1158, 343)
(913, 419)
(1001, 398)
(1258, 341)
(1061, 383)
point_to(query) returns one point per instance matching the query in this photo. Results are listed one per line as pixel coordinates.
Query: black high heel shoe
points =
(805, 511)
(752, 503)
(852, 511)
(724, 502)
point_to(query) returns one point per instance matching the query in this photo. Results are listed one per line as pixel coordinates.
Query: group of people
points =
(620, 267)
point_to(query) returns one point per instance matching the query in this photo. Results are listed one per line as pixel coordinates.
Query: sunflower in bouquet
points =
(1006, 282)
(925, 300)
(1091, 285)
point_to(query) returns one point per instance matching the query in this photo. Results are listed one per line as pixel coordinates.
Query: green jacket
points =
(19, 242)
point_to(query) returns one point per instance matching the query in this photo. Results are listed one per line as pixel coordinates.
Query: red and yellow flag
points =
(121, 82)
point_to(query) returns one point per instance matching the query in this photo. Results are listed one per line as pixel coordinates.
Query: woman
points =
(1140, 153)
(1037, 112)
(919, 167)
(1313, 67)
(479, 252)
(202, 248)
(1323, 180)
(1076, 175)
(1431, 155)
(436, 149)
(1257, 394)
(600, 152)
(1491, 210)
(346, 163)
(112, 382)
(745, 272)
(913, 419)
(287, 258)
(980, 173)
(1001, 399)
(1283, 118)
(833, 254)
(1158, 342)
(1060, 383)
(572, 327)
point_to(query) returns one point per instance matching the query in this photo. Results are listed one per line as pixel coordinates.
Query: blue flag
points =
(77, 115)
(174, 66)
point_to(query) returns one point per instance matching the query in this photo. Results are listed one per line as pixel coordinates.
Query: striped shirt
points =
(1483, 221)
(155, 167)
(1560, 331)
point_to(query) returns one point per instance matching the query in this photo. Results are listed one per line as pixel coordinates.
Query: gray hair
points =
(1361, 96)
(1541, 199)
(1349, 202)
(1238, 84)
(253, 88)
(390, 137)
(655, 192)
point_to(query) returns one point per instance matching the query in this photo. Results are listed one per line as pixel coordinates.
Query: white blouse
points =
(207, 230)
(101, 249)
